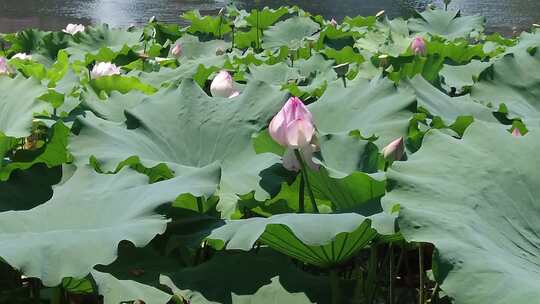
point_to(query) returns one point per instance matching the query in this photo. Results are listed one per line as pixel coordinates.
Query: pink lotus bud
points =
(5, 69)
(73, 29)
(418, 46)
(333, 22)
(22, 56)
(395, 150)
(176, 51)
(516, 132)
(293, 125)
(104, 69)
(223, 86)
(291, 163)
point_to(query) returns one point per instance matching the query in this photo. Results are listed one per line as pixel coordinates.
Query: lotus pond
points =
(271, 156)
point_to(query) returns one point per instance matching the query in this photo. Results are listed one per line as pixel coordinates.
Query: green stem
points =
(421, 270)
(434, 294)
(200, 205)
(391, 278)
(258, 42)
(301, 194)
(372, 273)
(334, 287)
(219, 28)
(233, 29)
(58, 295)
(306, 180)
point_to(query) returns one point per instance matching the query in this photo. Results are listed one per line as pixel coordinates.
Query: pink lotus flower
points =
(73, 29)
(418, 46)
(5, 69)
(333, 22)
(104, 69)
(291, 163)
(293, 125)
(22, 56)
(223, 86)
(176, 51)
(516, 132)
(394, 150)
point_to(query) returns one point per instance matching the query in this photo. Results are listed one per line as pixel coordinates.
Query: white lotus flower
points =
(104, 69)
(22, 56)
(73, 29)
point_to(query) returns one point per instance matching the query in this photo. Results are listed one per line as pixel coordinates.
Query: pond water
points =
(502, 15)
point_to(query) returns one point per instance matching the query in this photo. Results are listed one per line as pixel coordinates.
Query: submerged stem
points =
(421, 270)
(306, 180)
(391, 271)
(334, 286)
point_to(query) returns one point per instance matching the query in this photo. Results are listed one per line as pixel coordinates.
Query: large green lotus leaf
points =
(278, 74)
(112, 108)
(53, 154)
(317, 70)
(345, 153)
(350, 179)
(460, 76)
(289, 33)
(27, 189)
(266, 17)
(310, 74)
(116, 291)
(373, 107)
(345, 55)
(44, 46)
(192, 48)
(198, 69)
(93, 40)
(391, 37)
(475, 199)
(120, 83)
(447, 24)
(318, 239)
(215, 25)
(447, 108)
(87, 217)
(248, 286)
(19, 103)
(264, 277)
(512, 80)
(186, 128)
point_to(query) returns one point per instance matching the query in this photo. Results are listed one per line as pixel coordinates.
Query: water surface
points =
(502, 15)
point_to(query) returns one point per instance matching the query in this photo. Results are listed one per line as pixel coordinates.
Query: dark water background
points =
(502, 15)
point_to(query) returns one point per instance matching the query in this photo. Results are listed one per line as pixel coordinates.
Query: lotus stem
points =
(233, 28)
(301, 193)
(391, 273)
(306, 180)
(421, 271)
(200, 205)
(219, 27)
(434, 293)
(258, 39)
(334, 286)
(372, 273)
(344, 81)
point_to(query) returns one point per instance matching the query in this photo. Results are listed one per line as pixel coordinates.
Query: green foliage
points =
(142, 186)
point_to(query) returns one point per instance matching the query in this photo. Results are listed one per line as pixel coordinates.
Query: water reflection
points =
(54, 14)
